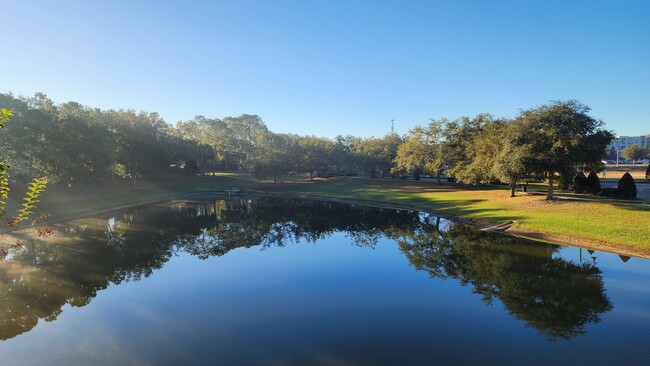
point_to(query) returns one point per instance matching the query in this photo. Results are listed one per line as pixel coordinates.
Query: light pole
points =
(616, 138)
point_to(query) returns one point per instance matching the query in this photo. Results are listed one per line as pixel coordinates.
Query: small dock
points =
(501, 227)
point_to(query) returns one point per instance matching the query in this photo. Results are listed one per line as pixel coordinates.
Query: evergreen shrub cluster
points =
(579, 183)
(593, 183)
(626, 187)
(586, 184)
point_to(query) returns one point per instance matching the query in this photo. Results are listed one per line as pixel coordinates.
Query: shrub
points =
(608, 192)
(565, 181)
(593, 183)
(579, 183)
(627, 187)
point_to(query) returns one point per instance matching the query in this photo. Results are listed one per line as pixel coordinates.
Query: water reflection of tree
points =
(82, 259)
(269, 223)
(556, 297)
(87, 256)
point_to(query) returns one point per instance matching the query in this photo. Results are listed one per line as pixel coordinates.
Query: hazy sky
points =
(333, 67)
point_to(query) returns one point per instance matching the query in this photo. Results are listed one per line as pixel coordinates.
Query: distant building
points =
(621, 143)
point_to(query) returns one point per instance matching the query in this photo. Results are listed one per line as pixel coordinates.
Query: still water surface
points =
(296, 282)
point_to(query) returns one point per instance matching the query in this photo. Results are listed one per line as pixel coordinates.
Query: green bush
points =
(627, 187)
(593, 183)
(579, 183)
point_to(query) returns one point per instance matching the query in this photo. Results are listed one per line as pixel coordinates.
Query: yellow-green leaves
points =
(34, 191)
(4, 186)
(4, 182)
(4, 116)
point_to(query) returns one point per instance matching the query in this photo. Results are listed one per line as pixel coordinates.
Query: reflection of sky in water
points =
(327, 302)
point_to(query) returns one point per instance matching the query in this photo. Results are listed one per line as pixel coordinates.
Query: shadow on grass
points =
(634, 208)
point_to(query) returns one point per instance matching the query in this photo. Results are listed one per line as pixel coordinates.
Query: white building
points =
(621, 143)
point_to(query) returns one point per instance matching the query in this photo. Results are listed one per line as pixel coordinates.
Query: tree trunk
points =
(513, 187)
(438, 177)
(311, 175)
(551, 176)
(275, 178)
(198, 158)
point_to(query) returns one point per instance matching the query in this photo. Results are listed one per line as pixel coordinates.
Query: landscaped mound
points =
(579, 183)
(627, 187)
(593, 183)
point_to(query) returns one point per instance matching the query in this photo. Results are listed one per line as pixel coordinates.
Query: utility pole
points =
(392, 126)
(616, 139)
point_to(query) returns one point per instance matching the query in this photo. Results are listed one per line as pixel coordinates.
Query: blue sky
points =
(333, 67)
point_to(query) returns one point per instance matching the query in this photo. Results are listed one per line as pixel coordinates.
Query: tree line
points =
(82, 146)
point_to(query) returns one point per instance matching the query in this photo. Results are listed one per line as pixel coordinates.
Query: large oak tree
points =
(562, 137)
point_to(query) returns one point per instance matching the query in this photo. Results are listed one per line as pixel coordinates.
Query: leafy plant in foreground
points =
(34, 191)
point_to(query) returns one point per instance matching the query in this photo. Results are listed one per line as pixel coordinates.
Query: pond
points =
(264, 281)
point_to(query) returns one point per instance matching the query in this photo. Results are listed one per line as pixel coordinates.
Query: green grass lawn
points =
(614, 173)
(596, 222)
(620, 226)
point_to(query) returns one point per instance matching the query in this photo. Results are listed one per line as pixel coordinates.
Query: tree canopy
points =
(421, 150)
(562, 137)
(75, 145)
(634, 153)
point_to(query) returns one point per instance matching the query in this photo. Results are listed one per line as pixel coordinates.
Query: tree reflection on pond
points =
(556, 297)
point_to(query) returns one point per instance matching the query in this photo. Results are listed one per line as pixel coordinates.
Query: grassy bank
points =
(608, 226)
(62, 202)
(617, 226)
